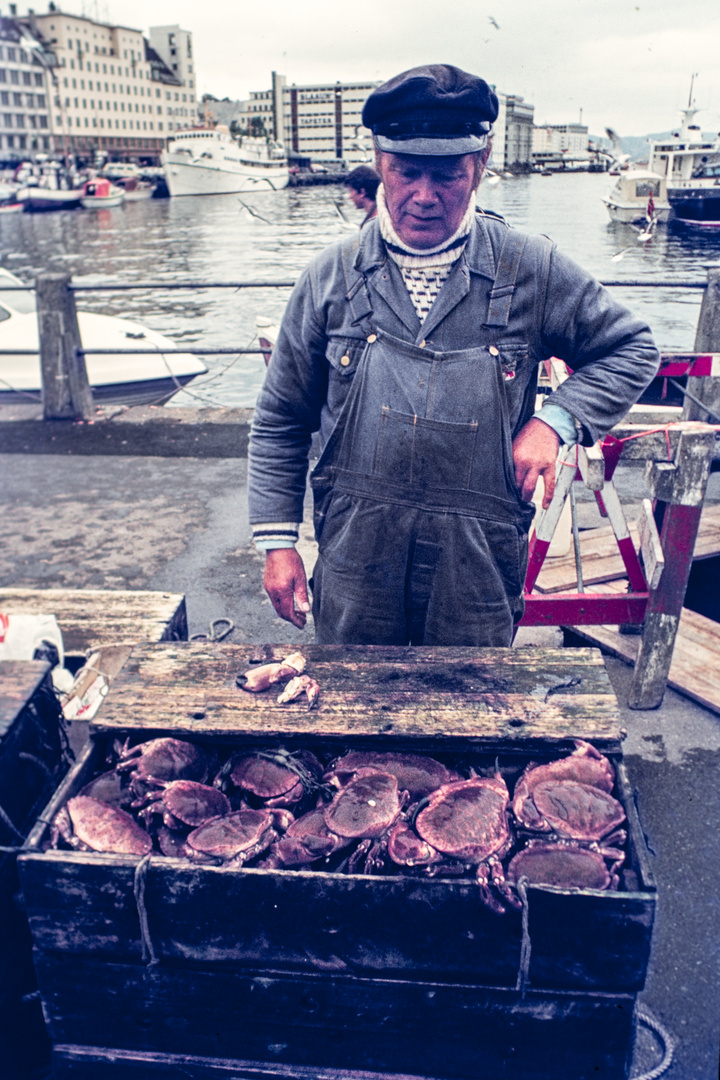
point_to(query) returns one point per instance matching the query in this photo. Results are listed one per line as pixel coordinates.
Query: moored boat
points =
(211, 161)
(99, 192)
(691, 167)
(143, 378)
(633, 192)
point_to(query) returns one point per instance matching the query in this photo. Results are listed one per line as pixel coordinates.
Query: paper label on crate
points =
(84, 706)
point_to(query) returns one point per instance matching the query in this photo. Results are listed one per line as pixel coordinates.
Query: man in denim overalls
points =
(413, 350)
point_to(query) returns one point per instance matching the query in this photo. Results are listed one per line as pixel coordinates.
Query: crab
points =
(183, 804)
(257, 679)
(275, 778)
(569, 867)
(301, 684)
(468, 821)
(307, 840)
(162, 759)
(87, 824)
(585, 764)
(568, 803)
(415, 773)
(365, 809)
(236, 838)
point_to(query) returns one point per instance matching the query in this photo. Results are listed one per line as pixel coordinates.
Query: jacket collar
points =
(478, 250)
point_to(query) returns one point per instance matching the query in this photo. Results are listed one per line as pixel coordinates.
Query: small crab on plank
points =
(301, 684)
(87, 824)
(257, 679)
(162, 759)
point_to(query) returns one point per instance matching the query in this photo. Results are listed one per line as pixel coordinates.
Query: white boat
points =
(144, 378)
(211, 161)
(691, 167)
(631, 194)
(47, 186)
(99, 192)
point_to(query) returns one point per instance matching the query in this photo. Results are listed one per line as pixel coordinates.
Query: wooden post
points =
(66, 392)
(679, 488)
(707, 340)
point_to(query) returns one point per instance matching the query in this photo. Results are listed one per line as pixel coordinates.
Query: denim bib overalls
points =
(421, 528)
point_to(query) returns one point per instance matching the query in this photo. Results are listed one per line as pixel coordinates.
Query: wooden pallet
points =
(91, 618)
(601, 559)
(694, 671)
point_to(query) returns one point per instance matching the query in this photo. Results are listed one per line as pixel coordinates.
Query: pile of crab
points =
(365, 812)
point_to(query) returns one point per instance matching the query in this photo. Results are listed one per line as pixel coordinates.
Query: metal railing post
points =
(707, 340)
(66, 392)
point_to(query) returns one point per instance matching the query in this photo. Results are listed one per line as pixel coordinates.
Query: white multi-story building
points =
(321, 122)
(24, 108)
(174, 46)
(109, 89)
(569, 139)
(512, 134)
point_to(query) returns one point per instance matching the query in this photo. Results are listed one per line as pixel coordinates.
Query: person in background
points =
(413, 348)
(362, 184)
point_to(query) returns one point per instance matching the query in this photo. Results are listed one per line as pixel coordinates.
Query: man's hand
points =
(286, 585)
(535, 450)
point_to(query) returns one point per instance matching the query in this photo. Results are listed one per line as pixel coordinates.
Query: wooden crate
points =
(91, 618)
(31, 766)
(387, 973)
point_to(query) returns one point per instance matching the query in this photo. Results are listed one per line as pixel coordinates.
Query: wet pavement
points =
(180, 525)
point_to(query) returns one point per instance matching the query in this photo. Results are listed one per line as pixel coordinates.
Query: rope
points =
(526, 947)
(9, 825)
(141, 872)
(666, 1041)
(215, 635)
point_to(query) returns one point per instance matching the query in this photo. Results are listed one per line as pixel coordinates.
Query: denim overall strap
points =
(506, 273)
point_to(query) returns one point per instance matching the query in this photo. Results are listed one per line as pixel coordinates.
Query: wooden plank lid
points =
(424, 695)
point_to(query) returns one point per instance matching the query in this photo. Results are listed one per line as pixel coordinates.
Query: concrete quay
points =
(144, 501)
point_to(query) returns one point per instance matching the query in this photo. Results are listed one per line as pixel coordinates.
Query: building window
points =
(42, 121)
(11, 53)
(3, 75)
(15, 77)
(4, 97)
(17, 99)
(20, 120)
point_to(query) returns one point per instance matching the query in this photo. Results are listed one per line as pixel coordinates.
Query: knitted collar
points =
(444, 254)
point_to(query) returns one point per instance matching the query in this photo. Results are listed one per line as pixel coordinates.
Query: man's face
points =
(358, 198)
(426, 197)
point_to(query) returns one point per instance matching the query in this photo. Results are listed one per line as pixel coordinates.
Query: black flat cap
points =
(436, 109)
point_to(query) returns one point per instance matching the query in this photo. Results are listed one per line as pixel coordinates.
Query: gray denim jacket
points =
(557, 309)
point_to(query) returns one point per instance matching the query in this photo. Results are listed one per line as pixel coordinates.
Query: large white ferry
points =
(210, 161)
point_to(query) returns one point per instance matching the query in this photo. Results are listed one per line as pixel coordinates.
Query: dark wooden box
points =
(31, 765)
(297, 969)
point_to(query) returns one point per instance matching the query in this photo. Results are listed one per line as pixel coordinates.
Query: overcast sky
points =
(626, 65)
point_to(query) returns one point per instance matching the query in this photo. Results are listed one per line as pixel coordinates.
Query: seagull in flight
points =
(493, 22)
(253, 213)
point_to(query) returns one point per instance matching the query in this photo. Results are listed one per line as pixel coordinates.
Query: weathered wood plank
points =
(90, 618)
(494, 694)
(19, 679)
(694, 670)
(339, 1022)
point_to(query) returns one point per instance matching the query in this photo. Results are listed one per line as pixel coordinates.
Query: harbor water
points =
(271, 236)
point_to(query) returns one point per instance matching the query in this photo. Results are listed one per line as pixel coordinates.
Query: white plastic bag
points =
(21, 635)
